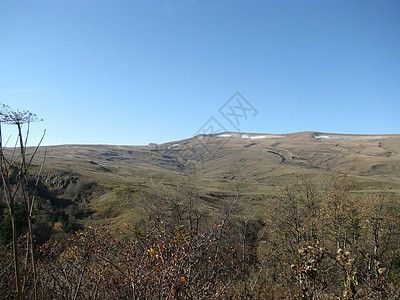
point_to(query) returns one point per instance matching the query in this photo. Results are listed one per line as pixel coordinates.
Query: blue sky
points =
(135, 72)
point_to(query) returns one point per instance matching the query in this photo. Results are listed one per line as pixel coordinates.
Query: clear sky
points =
(135, 72)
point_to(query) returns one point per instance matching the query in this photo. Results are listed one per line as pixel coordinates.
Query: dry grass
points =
(214, 163)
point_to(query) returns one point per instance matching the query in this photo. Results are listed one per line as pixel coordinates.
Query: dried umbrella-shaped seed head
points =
(17, 117)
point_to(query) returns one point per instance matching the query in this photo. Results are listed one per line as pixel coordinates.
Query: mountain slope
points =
(128, 175)
(259, 159)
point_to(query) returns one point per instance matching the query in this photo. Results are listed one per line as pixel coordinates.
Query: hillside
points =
(215, 163)
(261, 160)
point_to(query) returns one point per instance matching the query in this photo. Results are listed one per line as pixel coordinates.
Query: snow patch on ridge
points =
(224, 135)
(321, 137)
(254, 137)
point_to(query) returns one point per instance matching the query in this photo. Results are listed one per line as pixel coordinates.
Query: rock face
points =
(58, 181)
(54, 185)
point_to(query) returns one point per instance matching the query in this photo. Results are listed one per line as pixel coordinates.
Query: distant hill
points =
(259, 159)
(259, 162)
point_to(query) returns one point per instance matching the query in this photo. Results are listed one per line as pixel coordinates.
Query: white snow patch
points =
(259, 137)
(224, 135)
(321, 137)
(175, 145)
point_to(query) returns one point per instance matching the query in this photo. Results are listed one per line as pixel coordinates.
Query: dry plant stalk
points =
(15, 164)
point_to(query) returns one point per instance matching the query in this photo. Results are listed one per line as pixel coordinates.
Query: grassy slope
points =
(215, 163)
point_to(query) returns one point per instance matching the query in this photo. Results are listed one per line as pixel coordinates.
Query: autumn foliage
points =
(315, 243)
(160, 263)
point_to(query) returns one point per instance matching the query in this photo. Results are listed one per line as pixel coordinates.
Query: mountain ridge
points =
(215, 155)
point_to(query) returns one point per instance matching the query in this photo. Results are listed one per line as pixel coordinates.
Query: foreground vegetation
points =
(312, 244)
(313, 241)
